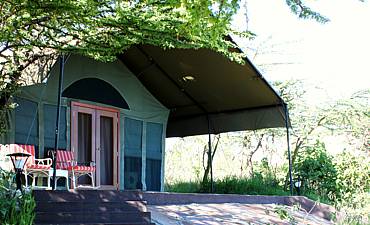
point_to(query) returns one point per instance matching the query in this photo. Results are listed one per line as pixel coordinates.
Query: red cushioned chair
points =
(33, 166)
(66, 161)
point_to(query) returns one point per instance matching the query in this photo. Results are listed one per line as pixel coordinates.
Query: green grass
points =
(256, 185)
(232, 185)
(183, 187)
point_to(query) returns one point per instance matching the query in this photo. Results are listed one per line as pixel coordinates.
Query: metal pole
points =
(18, 180)
(288, 143)
(210, 152)
(61, 77)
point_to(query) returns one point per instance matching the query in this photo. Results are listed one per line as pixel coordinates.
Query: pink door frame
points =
(96, 112)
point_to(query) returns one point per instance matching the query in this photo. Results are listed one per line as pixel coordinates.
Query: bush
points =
(352, 181)
(353, 188)
(15, 207)
(317, 171)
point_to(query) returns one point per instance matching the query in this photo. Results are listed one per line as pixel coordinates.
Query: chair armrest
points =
(73, 162)
(46, 161)
(91, 163)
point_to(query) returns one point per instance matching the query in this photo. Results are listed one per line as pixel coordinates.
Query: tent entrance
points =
(95, 138)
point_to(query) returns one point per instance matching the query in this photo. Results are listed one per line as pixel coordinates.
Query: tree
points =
(317, 171)
(351, 117)
(207, 164)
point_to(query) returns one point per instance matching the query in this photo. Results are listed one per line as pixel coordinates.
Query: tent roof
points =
(233, 97)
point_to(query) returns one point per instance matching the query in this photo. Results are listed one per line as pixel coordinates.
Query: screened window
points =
(153, 174)
(133, 133)
(154, 133)
(26, 122)
(50, 116)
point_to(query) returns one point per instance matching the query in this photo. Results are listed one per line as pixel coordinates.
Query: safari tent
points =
(119, 114)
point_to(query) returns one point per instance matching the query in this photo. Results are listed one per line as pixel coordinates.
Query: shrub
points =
(353, 188)
(317, 171)
(352, 181)
(15, 207)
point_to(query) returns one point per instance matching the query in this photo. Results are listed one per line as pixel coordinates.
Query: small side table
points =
(49, 176)
(59, 174)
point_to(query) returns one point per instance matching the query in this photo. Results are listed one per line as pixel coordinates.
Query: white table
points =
(49, 176)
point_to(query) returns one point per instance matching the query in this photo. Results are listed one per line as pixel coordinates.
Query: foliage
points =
(256, 185)
(316, 169)
(183, 187)
(303, 11)
(15, 207)
(351, 117)
(352, 180)
(285, 213)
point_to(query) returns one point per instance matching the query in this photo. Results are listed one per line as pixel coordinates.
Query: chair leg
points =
(74, 179)
(34, 183)
(67, 182)
(25, 178)
(49, 178)
(55, 184)
(92, 179)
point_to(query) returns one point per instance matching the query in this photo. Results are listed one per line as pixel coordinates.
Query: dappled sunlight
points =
(229, 213)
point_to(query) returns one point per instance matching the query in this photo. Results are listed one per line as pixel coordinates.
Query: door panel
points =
(107, 125)
(83, 137)
(84, 146)
(106, 150)
(95, 138)
(84, 153)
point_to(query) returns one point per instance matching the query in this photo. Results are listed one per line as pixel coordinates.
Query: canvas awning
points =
(223, 95)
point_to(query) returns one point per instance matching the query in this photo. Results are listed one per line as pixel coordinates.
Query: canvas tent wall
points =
(142, 123)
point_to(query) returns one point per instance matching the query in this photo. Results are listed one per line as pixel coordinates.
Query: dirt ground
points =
(231, 213)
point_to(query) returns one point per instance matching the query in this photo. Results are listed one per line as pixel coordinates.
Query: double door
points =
(94, 137)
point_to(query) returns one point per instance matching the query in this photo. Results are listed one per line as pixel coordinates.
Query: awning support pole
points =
(210, 161)
(61, 77)
(288, 143)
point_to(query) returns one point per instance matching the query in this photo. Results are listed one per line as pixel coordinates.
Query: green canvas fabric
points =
(26, 124)
(143, 106)
(154, 141)
(133, 132)
(235, 97)
(49, 118)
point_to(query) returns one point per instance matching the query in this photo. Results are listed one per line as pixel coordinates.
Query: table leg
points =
(67, 182)
(49, 182)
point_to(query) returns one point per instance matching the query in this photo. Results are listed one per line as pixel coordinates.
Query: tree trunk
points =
(250, 170)
(207, 168)
(298, 144)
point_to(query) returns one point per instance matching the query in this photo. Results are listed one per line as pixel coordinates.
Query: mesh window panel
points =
(26, 122)
(153, 174)
(132, 173)
(50, 116)
(133, 143)
(154, 133)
